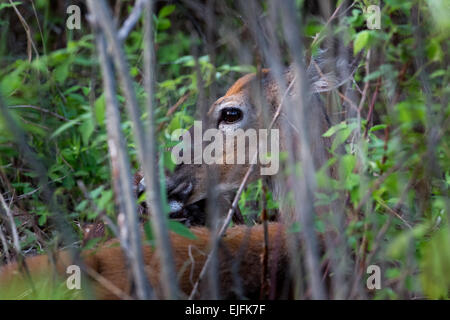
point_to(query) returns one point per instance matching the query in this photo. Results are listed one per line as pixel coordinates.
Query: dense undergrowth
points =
(392, 152)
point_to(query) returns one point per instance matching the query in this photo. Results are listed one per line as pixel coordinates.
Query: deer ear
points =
(321, 79)
(322, 72)
(324, 83)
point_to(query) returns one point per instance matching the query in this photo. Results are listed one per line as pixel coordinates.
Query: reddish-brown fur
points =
(241, 245)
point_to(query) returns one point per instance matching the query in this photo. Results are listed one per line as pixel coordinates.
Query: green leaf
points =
(435, 266)
(99, 107)
(64, 127)
(343, 135)
(181, 230)
(434, 51)
(346, 165)
(86, 130)
(166, 10)
(361, 41)
(8, 5)
(378, 127)
(91, 243)
(105, 199)
(163, 24)
(148, 232)
(334, 129)
(61, 73)
(82, 205)
(438, 73)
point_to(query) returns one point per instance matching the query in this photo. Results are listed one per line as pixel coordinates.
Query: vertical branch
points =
(211, 183)
(303, 188)
(7, 212)
(265, 280)
(121, 172)
(272, 56)
(4, 245)
(151, 164)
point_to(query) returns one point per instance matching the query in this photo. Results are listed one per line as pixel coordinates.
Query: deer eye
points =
(230, 115)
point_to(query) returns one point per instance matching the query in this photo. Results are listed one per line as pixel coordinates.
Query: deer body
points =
(239, 272)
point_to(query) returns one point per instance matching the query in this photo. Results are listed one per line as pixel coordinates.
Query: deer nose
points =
(141, 186)
(181, 192)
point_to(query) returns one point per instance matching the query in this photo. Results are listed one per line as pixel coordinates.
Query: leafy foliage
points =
(393, 161)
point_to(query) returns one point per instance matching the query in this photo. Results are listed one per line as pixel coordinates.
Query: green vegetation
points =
(392, 152)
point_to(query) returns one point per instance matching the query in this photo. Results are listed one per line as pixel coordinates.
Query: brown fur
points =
(241, 245)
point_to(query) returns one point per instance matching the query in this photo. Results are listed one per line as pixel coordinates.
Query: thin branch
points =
(15, 235)
(120, 165)
(303, 189)
(392, 211)
(40, 109)
(316, 38)
(372, 105)
(131, 21)
(108, 285)
(27, 31)
(376, 185)
(4, 245)
(366, 85)
(103, 15)
(151, 167)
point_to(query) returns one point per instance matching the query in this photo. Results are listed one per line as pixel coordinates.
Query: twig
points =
(173, 108)
(372, 105)
(4, 245)
(106, 283)
(15, 236)
(39, 27)
(265, 280)
(27, 31)
(33, 123)
(131, 21)
(149, 160)
(303, 189)
(129, 230)
(366, 85)
(22, 196)
(316, 38)
(375, 186)
(392, 211)
(39, 109)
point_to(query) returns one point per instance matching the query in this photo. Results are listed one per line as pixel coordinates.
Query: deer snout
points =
(177, 194)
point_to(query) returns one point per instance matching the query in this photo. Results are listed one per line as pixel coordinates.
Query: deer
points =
(241, 248)
(237, 111)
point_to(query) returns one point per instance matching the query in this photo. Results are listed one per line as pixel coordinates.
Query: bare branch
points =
(121, 172)
(4, 245)
(131, 21)
(151, 167)
(104, 18)
(40, 109)
(7, 212)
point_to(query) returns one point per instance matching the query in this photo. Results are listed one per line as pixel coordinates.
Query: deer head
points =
(239, 111)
